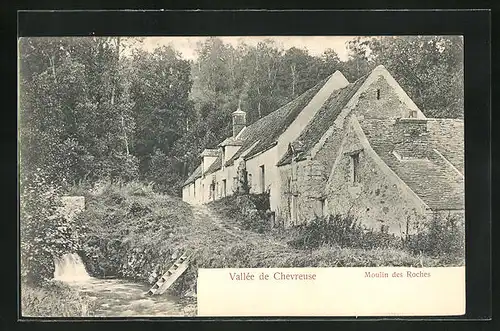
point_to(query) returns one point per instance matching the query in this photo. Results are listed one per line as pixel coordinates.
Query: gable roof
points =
(433, 180)
(264, 132)
(216, 165)
(323, 120)
(194, 176)
(210, 152)
(231, 141)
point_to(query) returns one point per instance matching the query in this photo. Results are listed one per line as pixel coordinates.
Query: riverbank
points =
(54, 299)
(132, 232)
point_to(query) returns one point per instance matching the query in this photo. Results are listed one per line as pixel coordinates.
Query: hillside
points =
(130, 231)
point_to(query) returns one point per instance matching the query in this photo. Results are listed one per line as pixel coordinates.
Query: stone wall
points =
(378, 101)
(303, 181)
(379, 200)
(387, 106)
(448, 136)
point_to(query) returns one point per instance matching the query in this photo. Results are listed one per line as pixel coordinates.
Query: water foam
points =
(70, 268)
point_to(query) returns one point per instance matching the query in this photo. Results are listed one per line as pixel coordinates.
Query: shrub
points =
(249, 210)
(443, 236)
(341, 231)
(45, 233)
(130, 229)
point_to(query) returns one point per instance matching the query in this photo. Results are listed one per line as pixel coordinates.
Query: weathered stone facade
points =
(363, 148)
(322, 182)
(378, 199)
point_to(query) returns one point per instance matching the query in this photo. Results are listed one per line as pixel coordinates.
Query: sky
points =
(316, 45)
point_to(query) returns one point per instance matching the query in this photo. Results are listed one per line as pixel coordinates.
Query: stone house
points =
(255, 149)
(361, 148)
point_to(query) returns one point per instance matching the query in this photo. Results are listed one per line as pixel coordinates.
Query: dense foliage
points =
(133, 233)
(102, 107)
(45, 234)
(103, 110)
(442, 237)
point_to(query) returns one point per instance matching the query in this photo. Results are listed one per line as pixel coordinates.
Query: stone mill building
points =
(362, 148)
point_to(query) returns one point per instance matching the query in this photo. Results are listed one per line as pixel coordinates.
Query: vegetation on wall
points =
(442, 237)
(133, 232)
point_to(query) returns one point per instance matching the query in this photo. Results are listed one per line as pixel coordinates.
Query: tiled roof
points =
(266, 130)
(447, 136)
(210, 152)
(214, 166)
(262, 134)
(323, 120)
(433, 180)
(194, 176)
(231, 141)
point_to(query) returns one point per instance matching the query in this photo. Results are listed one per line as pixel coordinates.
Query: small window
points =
(378, 94)
(413, 114)
(224, 188)
(355, 168)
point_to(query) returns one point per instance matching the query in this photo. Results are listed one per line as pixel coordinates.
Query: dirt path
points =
(210, 218)
(203, 212)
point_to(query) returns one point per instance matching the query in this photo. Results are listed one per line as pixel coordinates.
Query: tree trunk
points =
(258, 105)
(113, 91)
(292, 67)
(125, 135)
(53, 67)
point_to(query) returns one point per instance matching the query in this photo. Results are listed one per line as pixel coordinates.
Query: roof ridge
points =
(292, 100)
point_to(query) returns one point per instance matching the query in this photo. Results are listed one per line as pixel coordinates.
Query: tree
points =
(429, 68)
(359, 62)
(75, 118)
(162, 110)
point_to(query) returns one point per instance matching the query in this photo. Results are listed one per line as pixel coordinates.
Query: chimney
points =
(239, 121)
(411, 138)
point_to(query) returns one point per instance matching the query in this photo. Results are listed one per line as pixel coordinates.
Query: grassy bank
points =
(54, 299)
(132, 231)
(343, 241)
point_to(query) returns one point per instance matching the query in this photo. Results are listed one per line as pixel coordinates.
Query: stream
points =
(116, 297)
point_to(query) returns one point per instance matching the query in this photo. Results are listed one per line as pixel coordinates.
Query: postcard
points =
(241, 176)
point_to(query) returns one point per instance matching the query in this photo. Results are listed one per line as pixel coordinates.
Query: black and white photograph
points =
(146, 159)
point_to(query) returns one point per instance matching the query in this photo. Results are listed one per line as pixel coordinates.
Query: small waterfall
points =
(70, 268)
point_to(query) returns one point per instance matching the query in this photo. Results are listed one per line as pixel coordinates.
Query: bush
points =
(45, 233)
(341, 231)
(130, 229)
(443, 236)
(249, 210)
